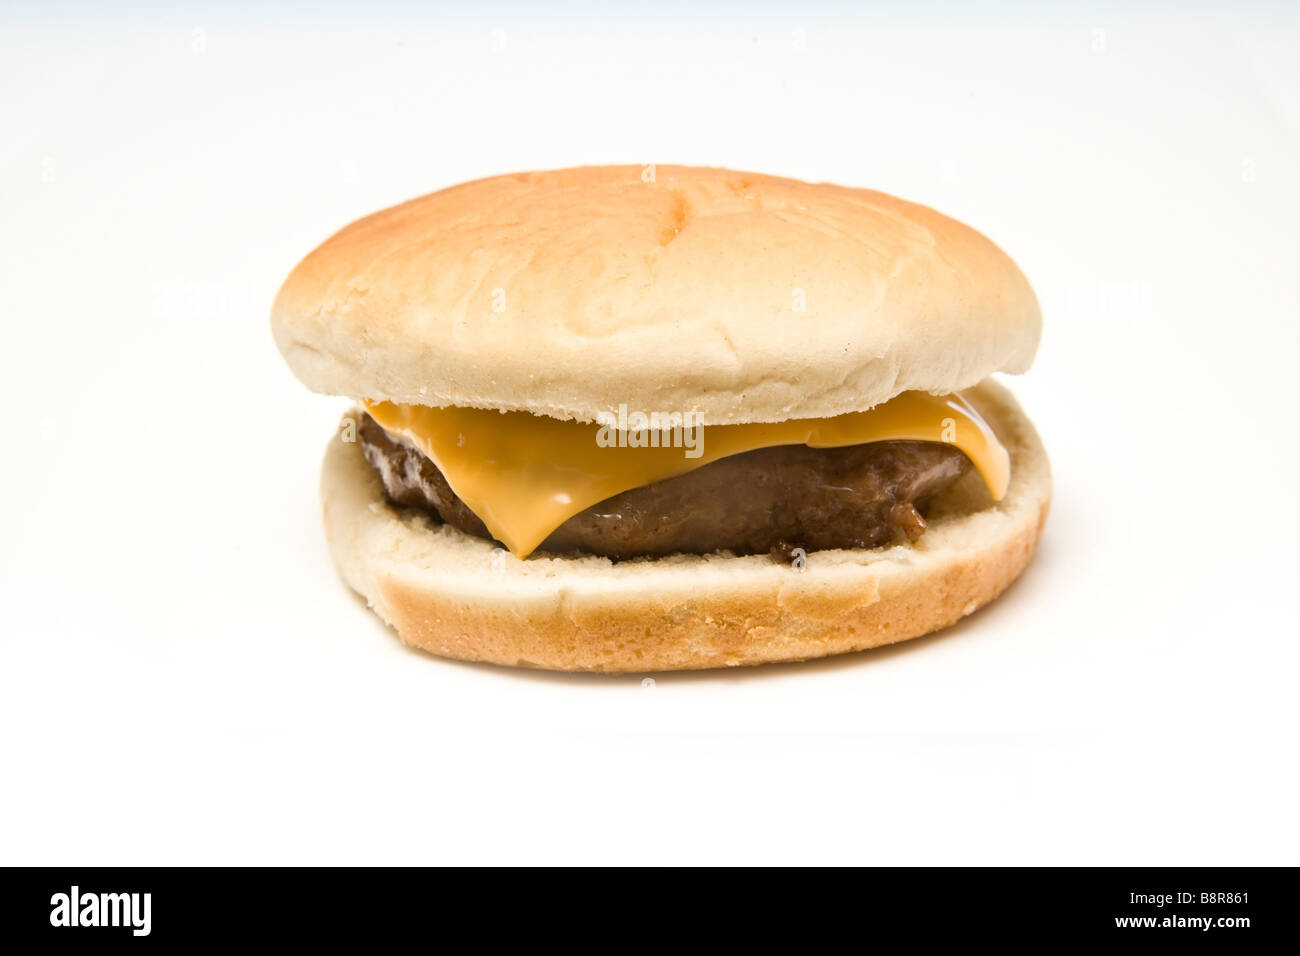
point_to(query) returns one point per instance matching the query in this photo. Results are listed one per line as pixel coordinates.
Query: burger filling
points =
(768, 500)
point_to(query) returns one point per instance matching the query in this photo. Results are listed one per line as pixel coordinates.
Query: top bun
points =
(742, 297)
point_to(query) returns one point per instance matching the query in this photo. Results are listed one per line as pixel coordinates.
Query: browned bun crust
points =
(457, 596)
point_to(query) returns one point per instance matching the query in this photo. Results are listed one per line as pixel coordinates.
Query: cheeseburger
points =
(632, 418)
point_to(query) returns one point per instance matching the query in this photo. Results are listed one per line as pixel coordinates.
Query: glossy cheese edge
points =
(524, 475)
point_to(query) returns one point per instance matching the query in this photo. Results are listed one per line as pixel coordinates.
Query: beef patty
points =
(767, 500)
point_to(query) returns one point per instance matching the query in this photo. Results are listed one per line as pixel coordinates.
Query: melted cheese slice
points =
(525, 475)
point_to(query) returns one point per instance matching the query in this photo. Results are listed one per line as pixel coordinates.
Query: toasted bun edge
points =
(458, 596)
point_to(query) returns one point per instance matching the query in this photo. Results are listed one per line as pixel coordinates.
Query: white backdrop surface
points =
(183, 678)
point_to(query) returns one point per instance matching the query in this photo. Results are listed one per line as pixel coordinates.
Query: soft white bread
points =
(457, 596)
(741, 296)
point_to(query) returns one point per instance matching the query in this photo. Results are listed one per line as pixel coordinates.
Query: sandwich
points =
(640, 418)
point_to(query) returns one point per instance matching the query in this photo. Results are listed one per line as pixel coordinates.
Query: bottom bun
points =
(459, 596)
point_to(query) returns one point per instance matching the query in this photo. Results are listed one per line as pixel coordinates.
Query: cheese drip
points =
(524, 475)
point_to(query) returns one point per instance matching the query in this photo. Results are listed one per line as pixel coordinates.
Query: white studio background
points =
(184, 679)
